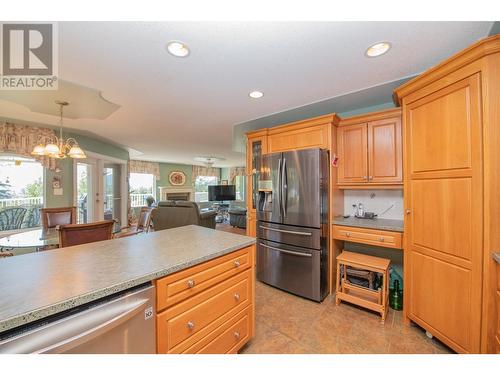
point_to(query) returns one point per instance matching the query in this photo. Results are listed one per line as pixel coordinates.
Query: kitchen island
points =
(39, 285)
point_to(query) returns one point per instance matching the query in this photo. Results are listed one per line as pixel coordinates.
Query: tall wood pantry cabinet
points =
(451, 127)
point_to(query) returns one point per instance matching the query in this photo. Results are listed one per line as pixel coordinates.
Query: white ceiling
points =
(175, 109)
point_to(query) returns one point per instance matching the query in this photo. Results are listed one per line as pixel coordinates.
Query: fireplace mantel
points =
(165, 190)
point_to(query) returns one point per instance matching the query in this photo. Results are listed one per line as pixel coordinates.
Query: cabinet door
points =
(256, 147)
(298, 139)
(385, 152)
(443, 227)
(353, 154)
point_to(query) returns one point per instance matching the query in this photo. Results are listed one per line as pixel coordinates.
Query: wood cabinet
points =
(452, 189)
(370, 150)
(367, 236)
(208, 308)
(256, 147)
(299, 135)
(497, 312)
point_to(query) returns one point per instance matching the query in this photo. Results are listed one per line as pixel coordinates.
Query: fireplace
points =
(176, 194)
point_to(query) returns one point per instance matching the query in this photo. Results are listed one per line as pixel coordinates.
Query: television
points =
(221, 193)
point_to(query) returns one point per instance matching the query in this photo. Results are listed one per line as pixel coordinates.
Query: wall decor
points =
(177, 178)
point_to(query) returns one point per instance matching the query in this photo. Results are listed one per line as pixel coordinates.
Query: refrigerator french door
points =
(292, 214)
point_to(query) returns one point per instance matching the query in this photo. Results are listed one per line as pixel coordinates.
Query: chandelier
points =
(57, 147)
(209, 161)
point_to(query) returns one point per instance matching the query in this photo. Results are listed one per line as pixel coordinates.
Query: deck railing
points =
(24, 202)
(138, 200)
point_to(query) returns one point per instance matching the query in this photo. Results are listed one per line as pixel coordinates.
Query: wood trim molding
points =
(484, 47)
(371, 116)
(256, 133)
(331, 118)
(368, 186)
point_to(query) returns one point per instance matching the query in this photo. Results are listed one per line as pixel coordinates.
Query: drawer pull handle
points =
(236, 263)
(190, 325)
(382, 239)
(236, 335)
(237, 296)
(348, 234)
(191, 283)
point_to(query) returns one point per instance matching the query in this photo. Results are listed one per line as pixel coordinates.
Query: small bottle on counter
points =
(361, 211)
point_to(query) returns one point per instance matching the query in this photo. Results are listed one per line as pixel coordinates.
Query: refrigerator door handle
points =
(286, 251)
(279, 186)
(284, 188)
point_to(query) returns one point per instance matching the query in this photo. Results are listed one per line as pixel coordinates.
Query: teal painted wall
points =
(224, 174)
(372, 108)
(99, 147)
(166, 169)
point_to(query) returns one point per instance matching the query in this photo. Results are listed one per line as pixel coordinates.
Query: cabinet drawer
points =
(228, 338)
(181, 285)
(189, 321)
(368, 236)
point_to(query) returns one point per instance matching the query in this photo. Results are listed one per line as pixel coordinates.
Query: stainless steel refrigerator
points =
(292, 222)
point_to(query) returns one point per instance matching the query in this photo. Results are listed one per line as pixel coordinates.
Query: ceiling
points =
(174, 109)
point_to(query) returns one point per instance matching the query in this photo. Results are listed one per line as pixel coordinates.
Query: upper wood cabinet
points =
(300, 135)
(370, 150)
(353, 154)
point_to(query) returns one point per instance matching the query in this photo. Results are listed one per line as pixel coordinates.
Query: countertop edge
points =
(368, 225)
(43, 312)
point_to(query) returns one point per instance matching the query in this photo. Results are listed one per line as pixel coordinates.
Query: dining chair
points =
(143, 223)
(77, 234)
(52, 217)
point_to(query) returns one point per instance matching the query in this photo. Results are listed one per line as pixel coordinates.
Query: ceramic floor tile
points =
(288, 324)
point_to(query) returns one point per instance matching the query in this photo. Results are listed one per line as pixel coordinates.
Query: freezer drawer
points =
(288, 234)
(291, 268)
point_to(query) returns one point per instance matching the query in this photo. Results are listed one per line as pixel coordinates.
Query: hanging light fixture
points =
(57, 147)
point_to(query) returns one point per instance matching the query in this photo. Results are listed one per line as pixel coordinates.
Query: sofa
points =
(172, 214)
(238, 214)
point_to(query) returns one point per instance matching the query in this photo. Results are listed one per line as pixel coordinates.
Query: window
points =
(239, 181)
(142, 185)
(201, 187)
(21, 192)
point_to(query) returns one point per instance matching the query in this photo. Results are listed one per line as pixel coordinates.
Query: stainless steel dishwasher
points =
(121, 323)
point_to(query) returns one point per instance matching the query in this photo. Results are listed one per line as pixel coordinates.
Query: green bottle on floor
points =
(396, 297)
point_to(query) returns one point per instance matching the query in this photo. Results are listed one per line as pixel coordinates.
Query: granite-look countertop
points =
(496, 256)
(381, 224)
(37, 285)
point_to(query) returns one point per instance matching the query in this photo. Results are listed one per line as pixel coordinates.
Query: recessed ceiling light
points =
(256, 94)
(378, 49)
(177, 49)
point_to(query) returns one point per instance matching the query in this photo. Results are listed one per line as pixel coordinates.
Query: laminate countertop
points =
(381, 224)
(37, 285)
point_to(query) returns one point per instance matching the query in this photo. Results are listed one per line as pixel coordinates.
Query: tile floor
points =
(289, 324)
